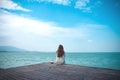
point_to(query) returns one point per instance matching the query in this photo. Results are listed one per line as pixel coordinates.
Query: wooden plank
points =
(47, 71)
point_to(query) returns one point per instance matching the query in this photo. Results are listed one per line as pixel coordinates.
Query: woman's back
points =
(60, 55)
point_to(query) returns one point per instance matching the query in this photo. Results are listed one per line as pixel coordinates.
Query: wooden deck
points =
(47, 71)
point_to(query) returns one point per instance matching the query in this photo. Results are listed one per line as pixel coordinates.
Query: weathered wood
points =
(47, 71)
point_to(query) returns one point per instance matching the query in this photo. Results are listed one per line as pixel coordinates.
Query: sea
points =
(110, 60)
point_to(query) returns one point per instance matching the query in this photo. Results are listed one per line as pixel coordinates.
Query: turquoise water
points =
(103, 60)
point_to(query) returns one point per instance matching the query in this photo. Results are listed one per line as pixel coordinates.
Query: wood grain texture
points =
(47, 71)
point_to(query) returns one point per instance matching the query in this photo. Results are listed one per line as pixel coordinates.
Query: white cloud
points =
(90, 40)
(40, 35)
(83, 5)
(80, 4)
(9, 4)
(22, 31)
(42, 28)
(62, 2)
(13, 23)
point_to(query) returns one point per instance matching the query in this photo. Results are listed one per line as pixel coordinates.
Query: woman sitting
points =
(60, 55)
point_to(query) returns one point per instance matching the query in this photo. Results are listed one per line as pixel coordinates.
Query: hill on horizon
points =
(10, 48)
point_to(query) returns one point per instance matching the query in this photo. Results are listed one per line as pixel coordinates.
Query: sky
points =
(79, 25)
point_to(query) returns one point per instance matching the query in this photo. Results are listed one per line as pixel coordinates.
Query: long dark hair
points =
(60, 51)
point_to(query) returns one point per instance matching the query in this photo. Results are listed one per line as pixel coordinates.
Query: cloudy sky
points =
(80, 25)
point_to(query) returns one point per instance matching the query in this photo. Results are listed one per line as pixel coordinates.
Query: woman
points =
(60, 55)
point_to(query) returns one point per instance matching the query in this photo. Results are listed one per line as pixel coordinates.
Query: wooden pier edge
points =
(47, 71)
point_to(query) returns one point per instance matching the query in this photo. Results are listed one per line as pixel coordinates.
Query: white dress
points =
(60, 60)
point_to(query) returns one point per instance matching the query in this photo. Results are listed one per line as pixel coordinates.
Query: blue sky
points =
(80, 25)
